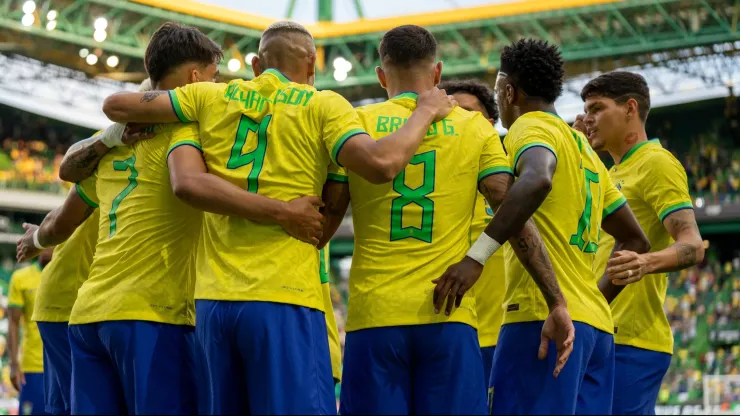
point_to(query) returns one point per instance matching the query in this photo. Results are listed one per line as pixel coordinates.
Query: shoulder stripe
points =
(176, 107)
(184, 143)
(342, 140)
(84, 197)
(337, 178)
(619, 203)
(673, 208)
(529, 146)
(15, 305)
(494, 170)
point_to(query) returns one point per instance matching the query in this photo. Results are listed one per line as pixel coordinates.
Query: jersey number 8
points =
(418, 196)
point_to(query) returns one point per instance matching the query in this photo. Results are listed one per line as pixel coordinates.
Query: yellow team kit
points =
(22, 294)
(655, 186)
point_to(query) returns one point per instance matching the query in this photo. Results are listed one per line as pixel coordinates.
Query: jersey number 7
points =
(122, 165)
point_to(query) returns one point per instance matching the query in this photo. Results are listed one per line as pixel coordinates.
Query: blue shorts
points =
(57, 367)
(413, 369)
(263, 358)
(522, 384)
(132, 367)
(31, 398)
(639, 372)
(487, 354)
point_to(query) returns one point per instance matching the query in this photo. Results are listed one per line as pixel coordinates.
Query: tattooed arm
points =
(140, 107)
(56, 228)
(527, 244)
(81, 159)
(687, 251)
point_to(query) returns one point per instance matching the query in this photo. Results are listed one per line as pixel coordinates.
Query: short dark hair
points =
(174, 44)
(286, 26)
(407, 45)
(476, 88)
(536, 67)
(620, 86)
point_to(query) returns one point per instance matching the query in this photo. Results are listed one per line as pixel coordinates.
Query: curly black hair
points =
(536, 67)
(620, 86)
(173, 45)
(476, 88)
(407, 45)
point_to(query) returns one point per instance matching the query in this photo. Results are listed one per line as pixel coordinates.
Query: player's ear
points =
(311, 69)
(437, 72)
(632, 108)
(256, 66)
(510, 93)
(381, 77)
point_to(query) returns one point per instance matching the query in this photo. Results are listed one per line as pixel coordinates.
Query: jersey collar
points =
(278, 74)
(408, 94)
(637, 146)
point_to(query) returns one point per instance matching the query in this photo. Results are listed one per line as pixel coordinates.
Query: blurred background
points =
(60, 58)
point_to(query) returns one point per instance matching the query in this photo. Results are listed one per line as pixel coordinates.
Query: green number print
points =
(122, 166)
(416, 196)
(584, 223)
(257, 156)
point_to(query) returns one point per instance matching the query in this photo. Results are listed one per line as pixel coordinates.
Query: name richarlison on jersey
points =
(256, 101)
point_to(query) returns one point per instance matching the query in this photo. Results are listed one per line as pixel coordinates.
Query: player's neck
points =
(169, 83)
(631, 139)
(529, 107)
(400, 88)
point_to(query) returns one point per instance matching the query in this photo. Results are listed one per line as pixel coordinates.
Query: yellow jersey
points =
(655, 186)
(408, 231)
(22, 295)
(335, 348)
(144, 264)
(490, 288)
(569, 221)
(68, 269)
(276, 138)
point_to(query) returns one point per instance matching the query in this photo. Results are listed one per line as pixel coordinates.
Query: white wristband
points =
(36, 242)
(113, 135)
(483, 248)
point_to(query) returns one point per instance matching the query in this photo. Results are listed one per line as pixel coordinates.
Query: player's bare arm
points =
(17, 378)
(56, 228)
(140, 107)
(336, 200)
(83, 157)
(379, 161)
(628, 266)
(628, 235)
(196, 187)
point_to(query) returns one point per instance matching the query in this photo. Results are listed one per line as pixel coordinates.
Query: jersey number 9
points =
(255, 157)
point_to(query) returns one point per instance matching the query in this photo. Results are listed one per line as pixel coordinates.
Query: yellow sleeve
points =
(613, 198)
(185, 135)
(666, 188)
(87, 190)
(337, 174)
(520, 141)
(338, 122)
(493, 159)
(15, 292)
(188, 102)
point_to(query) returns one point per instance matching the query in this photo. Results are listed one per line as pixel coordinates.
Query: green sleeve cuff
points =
(176, 106)
(84, 197)
(337, 178)
(673, 208)
(184, 143)
(529, 146)
(342, 140)
(619, 203)
(15, 305)
(494, 170)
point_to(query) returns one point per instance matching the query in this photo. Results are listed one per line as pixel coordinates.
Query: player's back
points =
(272, 137)
(409, 231)
(68, 269)
(569, 221)
(144, 264)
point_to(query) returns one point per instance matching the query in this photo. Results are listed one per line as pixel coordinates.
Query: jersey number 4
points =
(417, 196)
(122, 166)
(255, 157)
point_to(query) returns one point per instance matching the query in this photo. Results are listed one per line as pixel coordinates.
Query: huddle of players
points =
(260, 335)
